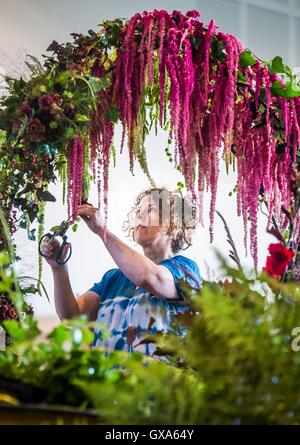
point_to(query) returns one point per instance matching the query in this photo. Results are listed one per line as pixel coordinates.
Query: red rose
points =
(278, 261)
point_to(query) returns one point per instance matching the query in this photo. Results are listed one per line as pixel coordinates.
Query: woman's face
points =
(146, 222)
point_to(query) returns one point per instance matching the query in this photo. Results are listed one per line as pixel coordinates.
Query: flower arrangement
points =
(232, 104)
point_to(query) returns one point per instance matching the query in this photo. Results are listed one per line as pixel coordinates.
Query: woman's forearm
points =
(65, 302)
(133, 264)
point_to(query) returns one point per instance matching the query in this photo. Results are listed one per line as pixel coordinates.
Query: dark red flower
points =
(45, 102)
(278, 261)
(35, 130)
(75, 67)
(25, 109)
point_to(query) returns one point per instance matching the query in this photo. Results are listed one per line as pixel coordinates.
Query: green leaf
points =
(246, 59)
(45, 196)
(277, 65)
(19, 85)
(53, 124)
(81, 118)
(218, 49)
(104, 41)
(20, 202)
(69, 133)
(277, 90)
(11, 101)
(23, 224)
(98, 84)
(112, 114)
(15, 330)
(60, 334)
(65, 76)
(75, 227)
(166, 127)
(55, 228)
(292, 89)
(68, 94)
(241, 78)
(32, 212)
(31, 234)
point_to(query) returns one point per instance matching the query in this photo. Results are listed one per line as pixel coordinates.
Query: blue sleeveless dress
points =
(128, 313)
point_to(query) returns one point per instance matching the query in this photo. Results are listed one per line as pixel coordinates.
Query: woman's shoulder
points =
(183, 266)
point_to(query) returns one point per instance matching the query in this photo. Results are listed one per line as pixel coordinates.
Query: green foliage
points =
(218, 51)
(44, 195)
(235, 365)
(291, 89)
(53, 364)
(112, 114)
(247, 59)
(288, 89)
(277, 65)
(12, 301)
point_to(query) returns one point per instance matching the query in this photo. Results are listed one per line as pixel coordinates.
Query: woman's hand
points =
(92, 217)
(50, 250)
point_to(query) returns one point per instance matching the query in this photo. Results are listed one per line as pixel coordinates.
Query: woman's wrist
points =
(59, 268)
(100, 232)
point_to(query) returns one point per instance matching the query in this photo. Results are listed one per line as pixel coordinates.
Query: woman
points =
(141, 296)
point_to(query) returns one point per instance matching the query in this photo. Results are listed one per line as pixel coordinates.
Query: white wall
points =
(269, 28)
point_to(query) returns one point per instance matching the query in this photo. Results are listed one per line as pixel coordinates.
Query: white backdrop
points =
(269, 29)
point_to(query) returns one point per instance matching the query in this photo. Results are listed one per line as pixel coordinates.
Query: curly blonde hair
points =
(181, 211)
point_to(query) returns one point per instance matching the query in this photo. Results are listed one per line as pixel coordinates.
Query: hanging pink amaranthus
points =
(192, 75)
(101, 136)
(75, 175)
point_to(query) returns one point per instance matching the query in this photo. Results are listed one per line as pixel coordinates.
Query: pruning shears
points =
(59, 231)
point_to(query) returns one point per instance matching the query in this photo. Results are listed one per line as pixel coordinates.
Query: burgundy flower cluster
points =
(7, 310)
(43, 117)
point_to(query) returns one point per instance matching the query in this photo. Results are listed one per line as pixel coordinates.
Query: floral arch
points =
(148, 71)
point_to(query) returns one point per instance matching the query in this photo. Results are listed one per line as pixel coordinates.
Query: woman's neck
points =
(157, 253)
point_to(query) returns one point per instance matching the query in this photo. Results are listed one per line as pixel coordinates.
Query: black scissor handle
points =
(49, 235)
(61, 249)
